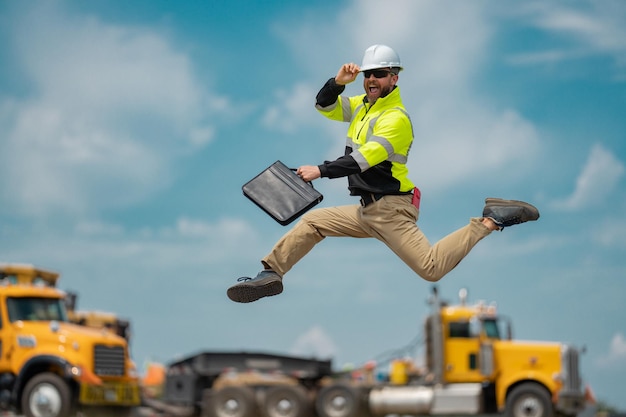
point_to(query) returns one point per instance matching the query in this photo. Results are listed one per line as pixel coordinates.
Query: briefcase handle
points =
(308, 182)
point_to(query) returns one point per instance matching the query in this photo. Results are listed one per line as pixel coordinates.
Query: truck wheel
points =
(286, 401)
(46, 395)
(232, 402)
(341, 401)
(529, 400)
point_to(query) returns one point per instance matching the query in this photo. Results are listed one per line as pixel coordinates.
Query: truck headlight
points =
(76, 371)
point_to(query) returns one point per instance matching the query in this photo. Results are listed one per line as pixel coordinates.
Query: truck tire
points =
(529, 400)
(286, 401)
(231, 402)
(46, 395)
(341, 401)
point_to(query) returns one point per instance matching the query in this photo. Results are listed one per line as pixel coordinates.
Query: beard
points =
(384, 92)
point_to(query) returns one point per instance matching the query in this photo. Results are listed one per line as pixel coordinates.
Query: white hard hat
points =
(380, 56)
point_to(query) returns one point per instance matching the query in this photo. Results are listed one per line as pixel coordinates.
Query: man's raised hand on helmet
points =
(347, 73)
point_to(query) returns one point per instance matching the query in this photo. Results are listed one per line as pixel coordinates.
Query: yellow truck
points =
(471, 366)
(50, 367)
(96, 319)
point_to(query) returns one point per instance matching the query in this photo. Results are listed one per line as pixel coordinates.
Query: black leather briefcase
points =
(281, 193)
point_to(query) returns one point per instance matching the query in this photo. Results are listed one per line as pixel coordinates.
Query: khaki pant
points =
(392, 220)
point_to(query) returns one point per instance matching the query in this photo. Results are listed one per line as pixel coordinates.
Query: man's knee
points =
(431, 277)
(429, 273)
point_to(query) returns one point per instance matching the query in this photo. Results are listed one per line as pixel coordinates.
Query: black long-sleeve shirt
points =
(344, 165)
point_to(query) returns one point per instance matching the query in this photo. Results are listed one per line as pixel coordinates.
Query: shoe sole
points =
(494, 202)
(247, 293)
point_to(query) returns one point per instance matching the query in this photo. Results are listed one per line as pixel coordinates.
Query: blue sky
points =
(128, 128)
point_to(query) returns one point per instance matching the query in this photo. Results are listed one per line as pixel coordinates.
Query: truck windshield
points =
(491, 328)
(36, 309)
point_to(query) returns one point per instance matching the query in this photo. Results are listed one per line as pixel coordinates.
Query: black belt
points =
(370, 198)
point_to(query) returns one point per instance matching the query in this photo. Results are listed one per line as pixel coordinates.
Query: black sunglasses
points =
(377, 73)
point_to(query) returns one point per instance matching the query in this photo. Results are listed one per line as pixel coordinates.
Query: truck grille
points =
(572, 379)
(571, 398)
(109, 360)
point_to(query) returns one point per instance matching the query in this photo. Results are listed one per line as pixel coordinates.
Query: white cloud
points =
(597, 180)
(188, 242)
(202, 135)
(588, 29)
(617, 352)
(314, 342)
(292, 109)
(458, 142)
(110, 110)
(225, 230)
(611, 233)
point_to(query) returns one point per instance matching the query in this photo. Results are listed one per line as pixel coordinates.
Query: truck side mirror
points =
(70, 301)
